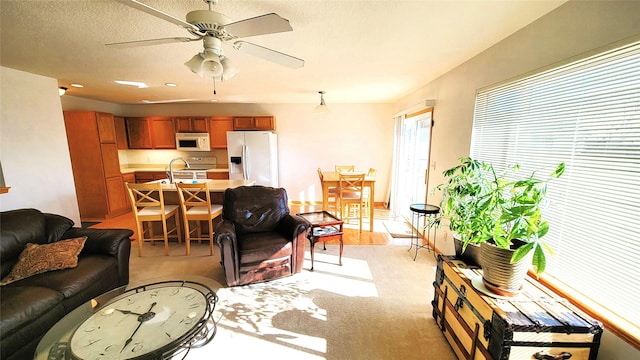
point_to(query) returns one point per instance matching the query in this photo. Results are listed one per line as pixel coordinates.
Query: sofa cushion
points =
(16, 312)
(36, 259)
(94, 275)
(27, 313)
(19, 227)
(261, 247)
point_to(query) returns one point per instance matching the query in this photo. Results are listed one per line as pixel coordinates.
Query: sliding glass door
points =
(413, 144)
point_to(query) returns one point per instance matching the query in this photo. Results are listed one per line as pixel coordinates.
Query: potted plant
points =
(502, 213)
(465, 186)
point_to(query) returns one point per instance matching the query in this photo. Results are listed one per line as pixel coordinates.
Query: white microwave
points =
(193, 142)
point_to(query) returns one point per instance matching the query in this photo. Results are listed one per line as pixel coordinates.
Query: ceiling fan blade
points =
(259, 25)
(159, 14)
(174, 101)
(130, 44)
(268, 54)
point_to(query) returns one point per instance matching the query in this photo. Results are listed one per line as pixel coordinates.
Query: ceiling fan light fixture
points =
(322, 108)
(229, 70)
(206, 65)
(62, 90)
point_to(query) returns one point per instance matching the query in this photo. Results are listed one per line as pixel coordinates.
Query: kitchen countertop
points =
(131, 168)
(214, 185)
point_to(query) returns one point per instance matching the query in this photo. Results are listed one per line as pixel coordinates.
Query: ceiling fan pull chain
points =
(214, 85)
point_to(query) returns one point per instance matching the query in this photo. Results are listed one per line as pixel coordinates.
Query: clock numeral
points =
(168, 335)
(190, 297)
(137, 347)
(175, 291)
(91, 342)
(194, 306)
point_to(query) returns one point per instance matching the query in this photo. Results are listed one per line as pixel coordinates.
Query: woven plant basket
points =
(498, 273)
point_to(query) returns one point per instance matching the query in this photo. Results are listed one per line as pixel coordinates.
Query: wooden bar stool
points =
(147, 202)
(195, 203)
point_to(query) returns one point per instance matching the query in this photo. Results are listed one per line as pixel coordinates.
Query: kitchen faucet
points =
(171, 168)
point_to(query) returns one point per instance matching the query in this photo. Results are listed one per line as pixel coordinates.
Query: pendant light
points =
(322, 108)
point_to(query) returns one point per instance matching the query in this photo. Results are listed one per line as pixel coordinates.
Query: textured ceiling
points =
(357, 51)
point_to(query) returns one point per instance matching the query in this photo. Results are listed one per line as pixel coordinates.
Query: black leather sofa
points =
(30, 307)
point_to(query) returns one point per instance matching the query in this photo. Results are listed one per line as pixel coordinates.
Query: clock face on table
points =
(140, 323)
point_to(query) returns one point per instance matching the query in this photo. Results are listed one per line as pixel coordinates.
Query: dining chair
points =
(332, 194)
(343, 168)
(147, 203)
(350, 197)
(196, 207)
(367, 192)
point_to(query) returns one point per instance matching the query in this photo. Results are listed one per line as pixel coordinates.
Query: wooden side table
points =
(324, 227)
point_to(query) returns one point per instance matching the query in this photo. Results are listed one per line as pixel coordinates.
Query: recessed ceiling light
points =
(77, 85)
(140, 85)
(171, 84)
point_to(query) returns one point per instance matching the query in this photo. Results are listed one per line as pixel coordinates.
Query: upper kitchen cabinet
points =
(218, 127)
(151, 132)
(163, 133)
(121, 133)
(192, 124)
(254, 123)
(91, 137)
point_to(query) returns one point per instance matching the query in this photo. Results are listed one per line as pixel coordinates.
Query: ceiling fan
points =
(214, 29)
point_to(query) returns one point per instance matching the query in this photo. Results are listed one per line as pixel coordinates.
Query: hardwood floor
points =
(380, 235)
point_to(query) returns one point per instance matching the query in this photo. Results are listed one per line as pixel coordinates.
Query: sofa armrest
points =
(295, 228)
(100, 241)
(113, 242)
(291, 226)
(228, 242)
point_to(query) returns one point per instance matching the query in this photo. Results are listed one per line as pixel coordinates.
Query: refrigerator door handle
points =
(245, 170)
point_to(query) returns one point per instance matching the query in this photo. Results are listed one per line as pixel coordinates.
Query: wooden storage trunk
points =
(536, 324)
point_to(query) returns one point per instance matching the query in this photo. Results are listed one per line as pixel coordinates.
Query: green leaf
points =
(539, 261)
(543, 228)
(521, 252)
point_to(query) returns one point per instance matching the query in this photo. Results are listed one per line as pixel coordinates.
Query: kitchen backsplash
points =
(165, 156)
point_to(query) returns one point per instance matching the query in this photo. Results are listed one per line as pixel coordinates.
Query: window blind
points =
(586, 114)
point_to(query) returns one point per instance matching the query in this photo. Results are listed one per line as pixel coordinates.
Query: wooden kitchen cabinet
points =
(146, 176)
(91, 137)
(218, 127)
(254, 123)
(129, 178)
(192, 124)
(139, 133)
(121, 133)
(151, 132)
(218, 175)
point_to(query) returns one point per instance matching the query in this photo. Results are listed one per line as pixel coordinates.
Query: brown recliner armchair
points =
(259, 239)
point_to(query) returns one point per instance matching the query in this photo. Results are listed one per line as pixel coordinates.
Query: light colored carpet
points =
(398, 229)
(376, 306)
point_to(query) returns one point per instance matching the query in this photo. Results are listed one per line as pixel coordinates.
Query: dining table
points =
(332, 179)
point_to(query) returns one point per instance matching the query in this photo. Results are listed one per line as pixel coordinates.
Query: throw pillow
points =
(35, 259)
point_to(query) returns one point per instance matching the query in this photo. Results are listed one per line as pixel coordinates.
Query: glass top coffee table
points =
(155, 319)
(324, 227)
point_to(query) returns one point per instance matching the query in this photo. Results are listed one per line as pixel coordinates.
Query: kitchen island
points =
(216, 188)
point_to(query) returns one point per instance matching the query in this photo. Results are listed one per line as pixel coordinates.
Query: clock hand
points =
(142, 318)
(127, 312)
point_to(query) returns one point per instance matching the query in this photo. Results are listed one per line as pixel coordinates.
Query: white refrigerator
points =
(253, 155)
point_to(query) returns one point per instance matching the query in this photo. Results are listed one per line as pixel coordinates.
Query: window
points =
(586, 114)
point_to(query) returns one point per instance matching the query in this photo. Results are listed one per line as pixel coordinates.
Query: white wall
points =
(33, 146)
(572, 30)
(359, 134)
